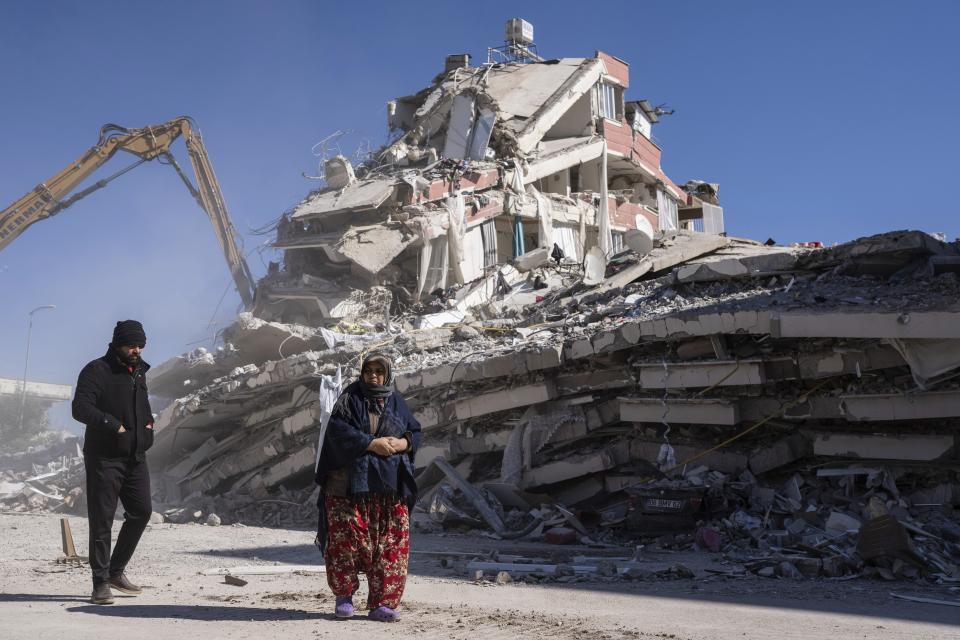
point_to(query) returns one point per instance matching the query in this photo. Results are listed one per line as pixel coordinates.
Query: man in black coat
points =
(111, 400)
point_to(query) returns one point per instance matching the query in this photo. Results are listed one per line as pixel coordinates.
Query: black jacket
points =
(109, 395)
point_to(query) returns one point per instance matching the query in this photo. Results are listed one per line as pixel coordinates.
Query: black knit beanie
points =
(128, 333)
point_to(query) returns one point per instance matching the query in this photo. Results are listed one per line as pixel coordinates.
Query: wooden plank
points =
(66, 536)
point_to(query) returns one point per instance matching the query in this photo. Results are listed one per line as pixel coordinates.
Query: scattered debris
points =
(264, 570)
(45, 479)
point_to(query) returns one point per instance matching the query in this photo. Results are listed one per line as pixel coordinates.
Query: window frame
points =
(607, 106)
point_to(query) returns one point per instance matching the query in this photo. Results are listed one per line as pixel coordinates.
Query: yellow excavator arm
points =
(149, 143)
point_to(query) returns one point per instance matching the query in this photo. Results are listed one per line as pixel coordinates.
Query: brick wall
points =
(634, 146)
(616, 68)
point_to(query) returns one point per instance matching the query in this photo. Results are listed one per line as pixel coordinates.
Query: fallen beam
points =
(472, 494)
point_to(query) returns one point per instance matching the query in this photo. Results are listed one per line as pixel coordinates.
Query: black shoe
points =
(120, 583)
(101, 594)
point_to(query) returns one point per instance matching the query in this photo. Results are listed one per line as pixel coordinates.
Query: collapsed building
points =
(791, 394)
(584, 346)
(486, 164)
(38, 468)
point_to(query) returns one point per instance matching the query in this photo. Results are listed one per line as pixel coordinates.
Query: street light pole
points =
(26, 362)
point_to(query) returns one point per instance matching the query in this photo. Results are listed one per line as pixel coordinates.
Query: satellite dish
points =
(640, 240)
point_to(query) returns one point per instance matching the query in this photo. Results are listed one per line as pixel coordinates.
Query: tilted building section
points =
(486, 164)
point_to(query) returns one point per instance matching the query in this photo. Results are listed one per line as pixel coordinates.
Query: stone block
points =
(577, 349)
(547, 357)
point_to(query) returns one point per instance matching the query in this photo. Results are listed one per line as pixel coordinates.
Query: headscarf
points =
(377, 391)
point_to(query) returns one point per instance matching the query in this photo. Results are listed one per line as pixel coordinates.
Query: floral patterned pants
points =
(370, 536)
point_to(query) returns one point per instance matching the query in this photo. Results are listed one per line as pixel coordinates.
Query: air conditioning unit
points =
(519, 31)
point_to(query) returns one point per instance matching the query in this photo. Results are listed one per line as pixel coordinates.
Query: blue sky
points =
(821, 121)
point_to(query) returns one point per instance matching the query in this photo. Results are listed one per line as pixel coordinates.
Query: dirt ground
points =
(40, 598)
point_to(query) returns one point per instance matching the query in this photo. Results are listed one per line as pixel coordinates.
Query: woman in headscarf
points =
(365, 473)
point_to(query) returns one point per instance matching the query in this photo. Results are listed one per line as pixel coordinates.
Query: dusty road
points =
(40, 599)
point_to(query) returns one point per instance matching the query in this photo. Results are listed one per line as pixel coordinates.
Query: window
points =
(617, 242)
(667, 212)
(640, 124)
(489, 237)
(607, 101)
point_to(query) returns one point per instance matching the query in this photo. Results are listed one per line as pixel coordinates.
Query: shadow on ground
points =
(41, 597)
(199, 612)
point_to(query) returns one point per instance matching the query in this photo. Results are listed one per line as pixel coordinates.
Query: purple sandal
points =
(344, 607)
(384, 614)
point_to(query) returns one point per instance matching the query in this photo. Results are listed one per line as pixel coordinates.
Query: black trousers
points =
(108, 480)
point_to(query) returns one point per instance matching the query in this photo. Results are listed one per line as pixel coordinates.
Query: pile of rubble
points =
(766, 401)
(837, 522)
(49, 478)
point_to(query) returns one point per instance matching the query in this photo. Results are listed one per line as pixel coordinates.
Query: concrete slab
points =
(918, 406)
(504, 399)
(678, 248)
(738, 260)
(679, 375)
(920, 324)
(373, 248)
(359, 195)
(35, 390)
(576, 466)
(883, 447)
(684, 411)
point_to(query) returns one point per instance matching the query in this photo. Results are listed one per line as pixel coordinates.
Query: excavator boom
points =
(149, 143)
